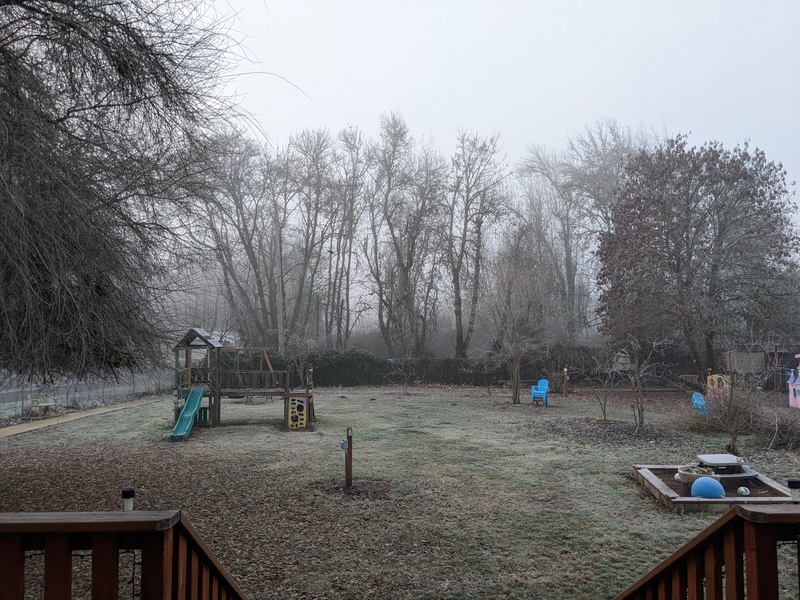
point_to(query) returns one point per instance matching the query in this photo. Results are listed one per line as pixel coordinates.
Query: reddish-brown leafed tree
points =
(702, 249)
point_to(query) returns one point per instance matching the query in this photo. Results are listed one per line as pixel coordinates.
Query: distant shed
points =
(746, 363)
(771, 363)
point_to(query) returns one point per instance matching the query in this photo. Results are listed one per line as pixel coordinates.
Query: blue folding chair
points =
(539, 392)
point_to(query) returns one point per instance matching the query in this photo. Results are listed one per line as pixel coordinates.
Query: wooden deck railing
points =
(733, 559)
(174, 561)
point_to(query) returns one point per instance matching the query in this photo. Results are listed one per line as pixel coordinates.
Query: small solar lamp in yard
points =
(794, 489)
(127, 499)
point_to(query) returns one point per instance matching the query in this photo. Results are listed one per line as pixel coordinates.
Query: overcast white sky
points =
(534, 71)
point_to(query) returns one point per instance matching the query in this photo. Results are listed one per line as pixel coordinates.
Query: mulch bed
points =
(359, 490)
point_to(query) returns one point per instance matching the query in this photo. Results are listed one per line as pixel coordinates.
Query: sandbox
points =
(660, 480)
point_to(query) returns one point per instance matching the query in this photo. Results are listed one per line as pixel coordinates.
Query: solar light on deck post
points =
(127, 499)
(794, 488)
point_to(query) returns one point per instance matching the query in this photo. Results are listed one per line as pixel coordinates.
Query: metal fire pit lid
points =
(720, 460)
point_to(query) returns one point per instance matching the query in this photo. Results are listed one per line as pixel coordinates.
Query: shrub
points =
(779, 428)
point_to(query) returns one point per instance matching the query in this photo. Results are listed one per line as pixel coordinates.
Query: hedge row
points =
(357, 367)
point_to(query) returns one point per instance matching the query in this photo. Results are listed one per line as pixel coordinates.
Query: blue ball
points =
(707, 487)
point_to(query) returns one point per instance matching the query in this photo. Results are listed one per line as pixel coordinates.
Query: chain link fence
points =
(18, 398)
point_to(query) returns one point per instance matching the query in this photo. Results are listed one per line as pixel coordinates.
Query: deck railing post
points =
(57, 567)
(157, 565)
(12, 566)
(694, 577)
(761, 560)
(679, 583)
(734, 562)
(105, 566)
(713, 568)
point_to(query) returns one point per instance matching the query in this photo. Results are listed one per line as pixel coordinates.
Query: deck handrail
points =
(734, 558)
(175, 561)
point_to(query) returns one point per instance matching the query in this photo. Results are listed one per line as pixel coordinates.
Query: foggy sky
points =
(534, 71)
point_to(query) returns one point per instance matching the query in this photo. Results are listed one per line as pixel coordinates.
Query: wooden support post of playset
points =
(348, 459)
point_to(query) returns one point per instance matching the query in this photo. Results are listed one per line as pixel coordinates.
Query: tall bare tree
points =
(476, 199)
(554, 214)
(94, 98)
(593, 168)
(310, 228)
(401, 248)
(231, 224)
(352, 165)
(282, 192)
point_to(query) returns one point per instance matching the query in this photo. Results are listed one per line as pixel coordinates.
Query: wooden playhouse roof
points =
(197, 336)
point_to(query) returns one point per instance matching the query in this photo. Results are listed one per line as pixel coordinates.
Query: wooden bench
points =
(41, 403)
(689, 379)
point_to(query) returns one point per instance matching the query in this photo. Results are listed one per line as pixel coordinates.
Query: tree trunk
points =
(514, 365)
(711, 362)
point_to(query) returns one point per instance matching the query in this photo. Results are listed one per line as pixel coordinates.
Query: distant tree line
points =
(134, 203)
(334, 233)
(339, 240)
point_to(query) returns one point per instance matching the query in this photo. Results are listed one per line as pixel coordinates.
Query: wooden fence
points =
(173, 561)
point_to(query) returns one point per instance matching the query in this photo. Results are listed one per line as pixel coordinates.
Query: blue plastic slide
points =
(184, 425)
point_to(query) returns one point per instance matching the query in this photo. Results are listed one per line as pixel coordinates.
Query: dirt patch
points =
(611, 432)
(360, 490)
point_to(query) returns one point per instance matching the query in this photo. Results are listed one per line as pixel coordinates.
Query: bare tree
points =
(310, 229)
(641, 358)
(282, 192)
(554, 214)
(517, 304)
(230, 224)
(352, 164)
(94, 98)
(737, 408)
(476, 199)
(604, 380)
(593, 168)
(402, 249)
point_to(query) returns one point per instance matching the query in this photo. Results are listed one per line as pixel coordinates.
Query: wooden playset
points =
(202, 361)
